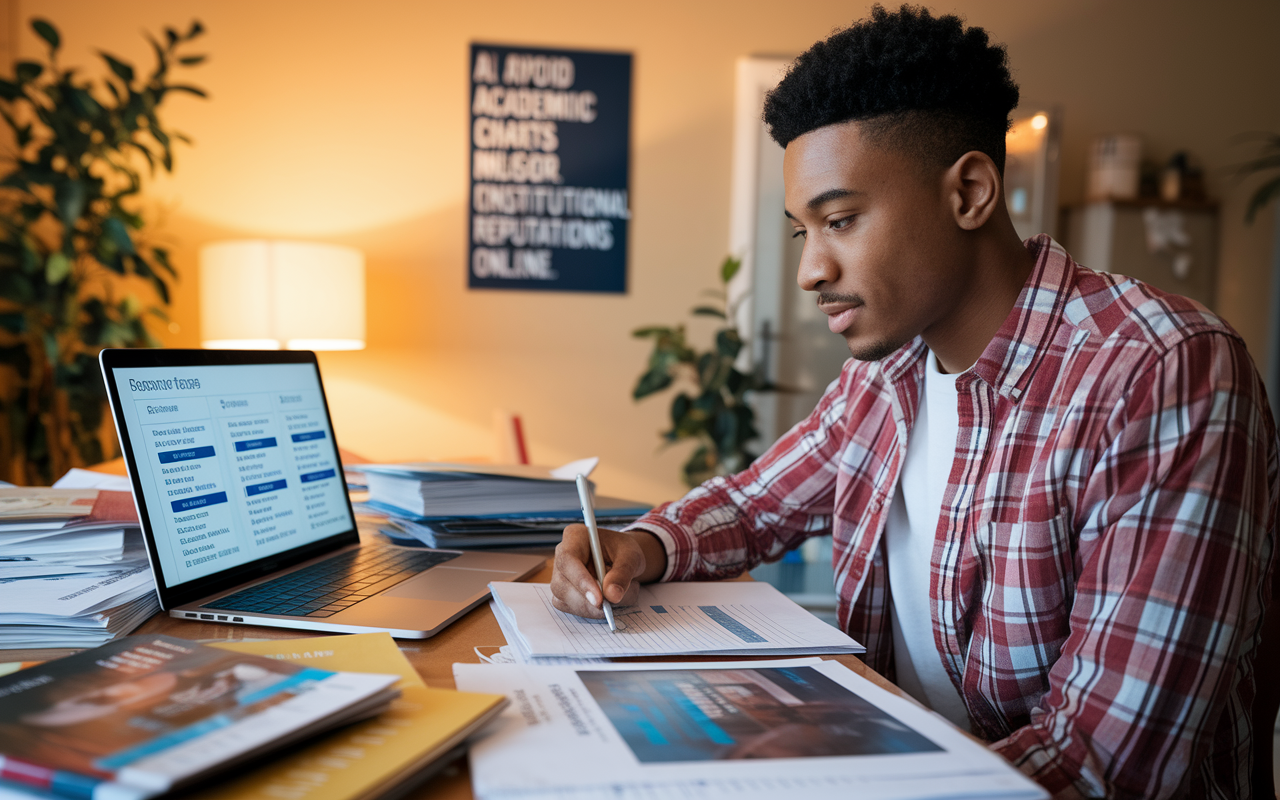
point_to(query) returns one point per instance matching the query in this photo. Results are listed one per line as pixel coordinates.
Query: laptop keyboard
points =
(325, 588)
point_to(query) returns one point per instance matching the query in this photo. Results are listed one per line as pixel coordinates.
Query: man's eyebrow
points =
(825, 197)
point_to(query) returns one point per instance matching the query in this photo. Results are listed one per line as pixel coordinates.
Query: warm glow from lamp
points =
(268, 295)
(1039, 121)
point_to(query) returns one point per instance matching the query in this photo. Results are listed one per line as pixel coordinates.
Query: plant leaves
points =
(27, 71)
(57, 268)
(46, 31)
(641, 333)
(195, 30)
(729, 268)
(650, 382)
(13, 323)
(123, 70)
(728, 342)
(114, 228)
(190, 89)
(1265, 194)
(9, 90)
(71, 197)
(708, 311)
(191, 61)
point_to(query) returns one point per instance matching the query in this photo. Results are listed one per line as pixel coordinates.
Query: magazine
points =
(145, 715)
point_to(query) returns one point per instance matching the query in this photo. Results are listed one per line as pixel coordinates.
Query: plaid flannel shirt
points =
(1104, 542)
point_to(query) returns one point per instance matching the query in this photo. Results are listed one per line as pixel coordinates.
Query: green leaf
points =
(46, 31)
(27, 71)
(729, 268)
(1266, 193)
(161, 256)
(114, 228)
(171, 36)
(191, 61)
(728, 342)
(650, 382)
(189, 89)
(708, 311)
(641, 333)
(9, 90)
(57, 268)
(122, 70)
(71, 197)
(195, 30)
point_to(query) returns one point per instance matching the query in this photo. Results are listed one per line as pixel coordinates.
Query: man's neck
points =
(1001, 267)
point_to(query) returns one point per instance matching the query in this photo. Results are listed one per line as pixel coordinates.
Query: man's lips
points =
(840, 317)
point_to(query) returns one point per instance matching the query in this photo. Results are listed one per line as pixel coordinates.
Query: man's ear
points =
(973, 187)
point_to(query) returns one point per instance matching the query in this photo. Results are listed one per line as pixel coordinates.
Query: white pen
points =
(589, 516)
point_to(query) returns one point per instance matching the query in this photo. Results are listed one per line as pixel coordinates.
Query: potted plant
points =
(713, 410)
(73, 255)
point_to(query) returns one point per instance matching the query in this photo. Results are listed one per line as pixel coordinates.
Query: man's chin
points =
(875, 351)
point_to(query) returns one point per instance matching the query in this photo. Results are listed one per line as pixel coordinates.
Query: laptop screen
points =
(236, 462)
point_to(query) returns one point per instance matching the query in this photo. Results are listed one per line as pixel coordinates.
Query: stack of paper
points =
(451, 490)
(757, 730)
(73, 568)
(476, 506)
(722, 618)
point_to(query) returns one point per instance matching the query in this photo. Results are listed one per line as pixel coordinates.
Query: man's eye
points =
(840, 224)
(798, 234)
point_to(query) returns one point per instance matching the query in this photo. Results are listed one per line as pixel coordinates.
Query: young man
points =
(1052, 491)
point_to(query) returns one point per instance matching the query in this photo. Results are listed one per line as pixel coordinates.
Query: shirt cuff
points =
(674, 541)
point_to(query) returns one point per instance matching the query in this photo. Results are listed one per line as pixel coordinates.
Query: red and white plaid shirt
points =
(1104, 543)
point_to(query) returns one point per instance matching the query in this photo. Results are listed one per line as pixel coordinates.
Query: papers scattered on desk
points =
(733, 731)
(73, 568)
(722, 618)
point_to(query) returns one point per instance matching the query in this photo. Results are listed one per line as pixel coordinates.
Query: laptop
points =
(244, 507)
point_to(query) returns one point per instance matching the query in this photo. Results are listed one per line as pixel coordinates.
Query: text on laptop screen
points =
(236, 463)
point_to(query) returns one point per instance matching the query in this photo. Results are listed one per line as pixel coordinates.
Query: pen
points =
(589, 516)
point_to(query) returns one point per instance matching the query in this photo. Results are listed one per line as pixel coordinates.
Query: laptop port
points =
(222, 618)
(206, 616)
(237, 619)
(190, 615)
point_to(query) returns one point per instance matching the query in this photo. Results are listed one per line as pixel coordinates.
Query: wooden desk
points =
(433, 659)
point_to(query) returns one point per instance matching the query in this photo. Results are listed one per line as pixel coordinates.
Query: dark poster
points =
(550, 139)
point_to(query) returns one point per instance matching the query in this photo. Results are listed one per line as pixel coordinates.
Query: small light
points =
(1039, 121)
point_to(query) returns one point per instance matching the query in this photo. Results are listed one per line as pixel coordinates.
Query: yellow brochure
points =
(368, 758)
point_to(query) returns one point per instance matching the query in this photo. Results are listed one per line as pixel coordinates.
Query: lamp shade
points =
(267, 295)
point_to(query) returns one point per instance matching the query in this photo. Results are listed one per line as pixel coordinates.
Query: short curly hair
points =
(924, 84)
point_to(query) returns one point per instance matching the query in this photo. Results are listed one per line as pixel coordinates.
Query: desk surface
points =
(433, 659)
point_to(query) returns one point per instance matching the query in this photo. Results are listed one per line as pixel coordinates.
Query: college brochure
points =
(144, 715)
(730, 731)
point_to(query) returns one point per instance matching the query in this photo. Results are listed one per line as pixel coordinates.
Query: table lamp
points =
(270, 295)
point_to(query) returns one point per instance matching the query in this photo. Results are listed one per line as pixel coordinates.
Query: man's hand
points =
(630, 559)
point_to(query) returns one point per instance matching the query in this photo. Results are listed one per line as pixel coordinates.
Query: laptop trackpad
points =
(443, 583)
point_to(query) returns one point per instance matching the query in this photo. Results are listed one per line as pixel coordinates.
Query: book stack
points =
(73, 568)
(478, 506)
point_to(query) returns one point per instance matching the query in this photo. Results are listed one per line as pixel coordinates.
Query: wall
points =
(347, 122)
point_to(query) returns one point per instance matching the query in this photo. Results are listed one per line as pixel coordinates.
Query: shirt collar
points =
(1010, 358)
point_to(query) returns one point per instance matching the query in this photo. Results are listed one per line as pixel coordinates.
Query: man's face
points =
(881, 242)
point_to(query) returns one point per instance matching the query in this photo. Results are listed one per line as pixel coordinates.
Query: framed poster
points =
(550, 152)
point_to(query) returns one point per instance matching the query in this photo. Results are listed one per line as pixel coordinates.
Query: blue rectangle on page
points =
(309, 477)
(263, 488)
(659, 609)
(170, 456)
(199, 501)
(255, 444)
(306, 437)
(732, 625)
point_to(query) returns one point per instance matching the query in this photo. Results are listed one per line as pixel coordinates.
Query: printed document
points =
(721, 618)
(729, 731)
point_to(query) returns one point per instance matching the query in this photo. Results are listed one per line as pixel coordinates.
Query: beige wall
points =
(347, 122)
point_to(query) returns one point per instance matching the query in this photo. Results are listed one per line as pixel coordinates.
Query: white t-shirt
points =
(910, 533)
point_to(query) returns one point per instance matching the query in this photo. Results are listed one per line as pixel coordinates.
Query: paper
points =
(720, 618)
(357, 652)
(753, 730)
(77, 478)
